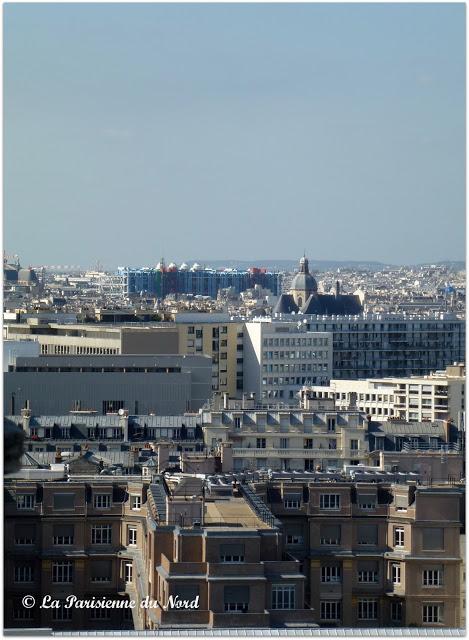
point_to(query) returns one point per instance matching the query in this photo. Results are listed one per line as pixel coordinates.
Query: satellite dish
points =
(121, 412)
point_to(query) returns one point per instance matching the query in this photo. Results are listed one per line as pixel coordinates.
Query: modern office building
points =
(378, 346)
(196, 280)
(281, 357)
(437, 396)
(57, 385)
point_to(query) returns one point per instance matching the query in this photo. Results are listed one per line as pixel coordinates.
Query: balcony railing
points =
(270, 452)
(452, 447)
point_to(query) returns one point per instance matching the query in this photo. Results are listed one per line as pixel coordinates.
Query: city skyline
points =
(133, 130)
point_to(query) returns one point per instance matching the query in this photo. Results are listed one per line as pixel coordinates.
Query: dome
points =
(172, 266)
(183, 267)
(303, 280)
(195, 267)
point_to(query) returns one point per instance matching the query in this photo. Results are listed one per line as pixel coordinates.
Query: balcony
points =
(254, 452)
(183, 568)
(252, 570)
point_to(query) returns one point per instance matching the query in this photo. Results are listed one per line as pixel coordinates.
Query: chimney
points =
(337, 289)
(58, 456)
(447, 429)
(124, 423)
(26, 415)
(226, 401)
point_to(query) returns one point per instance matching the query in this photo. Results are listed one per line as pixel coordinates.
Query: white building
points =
(438, 396)
(281, 357)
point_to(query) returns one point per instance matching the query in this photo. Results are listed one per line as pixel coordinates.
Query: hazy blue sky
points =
(234, 131)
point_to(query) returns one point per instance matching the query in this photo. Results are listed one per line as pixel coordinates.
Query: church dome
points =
(303, 280)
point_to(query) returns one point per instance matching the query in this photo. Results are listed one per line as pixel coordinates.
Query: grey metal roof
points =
(408, 428)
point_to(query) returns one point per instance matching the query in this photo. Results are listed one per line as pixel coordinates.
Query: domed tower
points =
(303, 284)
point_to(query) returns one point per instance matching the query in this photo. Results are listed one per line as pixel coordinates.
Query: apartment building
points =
(222, 339)
(286, 439)
(437, 396)
(281, 357)
(125, 539)
(71, 537)
(375, 554)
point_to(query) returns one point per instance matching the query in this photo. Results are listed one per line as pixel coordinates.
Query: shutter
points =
(330, 531)
(188, 591)
(433, 538)
(232, 549)
(368, 533)
(25, 531)
(367, 498)
(101, 568)
(64, 500)
(236, 593)
(368, 565)
(64, 530)
(292, 496)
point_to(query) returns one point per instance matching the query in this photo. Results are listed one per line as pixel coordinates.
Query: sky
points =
(252, 131)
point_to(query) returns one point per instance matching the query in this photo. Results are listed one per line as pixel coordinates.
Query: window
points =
(367, 502)
(284, 443)
(61, 614)
(132, 536)
(232, 553)
(367, 575)
(398, 536)
(283, 596)
(396, 611)
(112, 406)
(237, 423)
(367, 609)
(260, 443)
(396, 573)
(25, 501)
(432, 577)
(432, 613)
(330, 573)
(102, 501)
(367, 534)
(329, 501)
(354, 445)
(330, 609)
(330, 534)
(100, 614)
(135, 503)
(23, 573)
(236, 598)
(63, 534)
(292, 501)
(308, 443)
(332, 444)
(294, 539)
(101, 534)
(128, 572)
(331, 424)
(101, 570)
(62, 572)
(433, 538)
(21, 613)
(25, 534)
